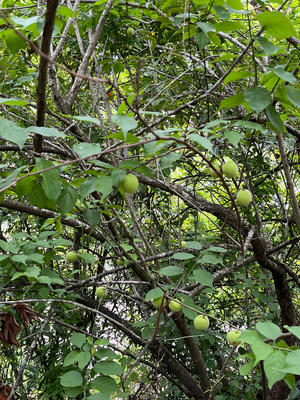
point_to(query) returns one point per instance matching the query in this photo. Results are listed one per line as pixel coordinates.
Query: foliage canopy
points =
(168, 91)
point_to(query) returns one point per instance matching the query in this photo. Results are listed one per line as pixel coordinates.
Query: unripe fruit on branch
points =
(174, 306)
(71, 257)
(213, 173)
(101, 293)
(230, 169)
(130, 31)
(201, 322)
(93, 351)
(243, 197)
(232, 337)
(130, 184)
(159, 301)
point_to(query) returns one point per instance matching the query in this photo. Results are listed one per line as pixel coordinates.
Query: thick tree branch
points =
(43, 71)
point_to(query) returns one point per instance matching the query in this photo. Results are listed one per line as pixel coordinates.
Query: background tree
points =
(150, 153)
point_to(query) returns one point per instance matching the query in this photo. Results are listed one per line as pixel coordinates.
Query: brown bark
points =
(194, 350)
(43, 70)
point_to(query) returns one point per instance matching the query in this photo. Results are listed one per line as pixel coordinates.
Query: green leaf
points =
(105, 384)
(9, 247)
(71, 379)
(182, 256)
(190, 314)
(126, 247)
(43, 131)
(93, 217)
(276, 24)
(268, 329)
(13, 102)
(293, 95)
(247, 368)
(108, 368)
(293, 358)
(32, 272)
(73, 392)
(204, 142)
(202, 39)
(227, 26)
(222, 13)
(65, 12)
(86, 118)
(194, 245)
(268, 47)
(171, 270)
(216, 249)
(130, 137)
(167, 161)
(128, 164)
(39, 199)
(87, 257)
(235, 6)
(275, 119)
(13, 42)
(20, 258)
(257, 98)
(210, 258)
(71, 358)
(88, 187)
(98, 396)
(250, 337)
(154, 294)
(290, 369)
(78, 339)
(10, 178)
(248, 125)
(87, 149)
(83, 359)
(105, 186)
(154, 147)
(285, 75)
(290, 380)
(106, 353)
(51, 184)
(295, 330)
(37, 258)
(13, 133)
(272, 366)
(67, 199)
(232, 101)
(49, 277)
(125, 122)
(204, 277)
(236, 75)
(25, 22)
(261, 351)
(233, 137)
(205, 27)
